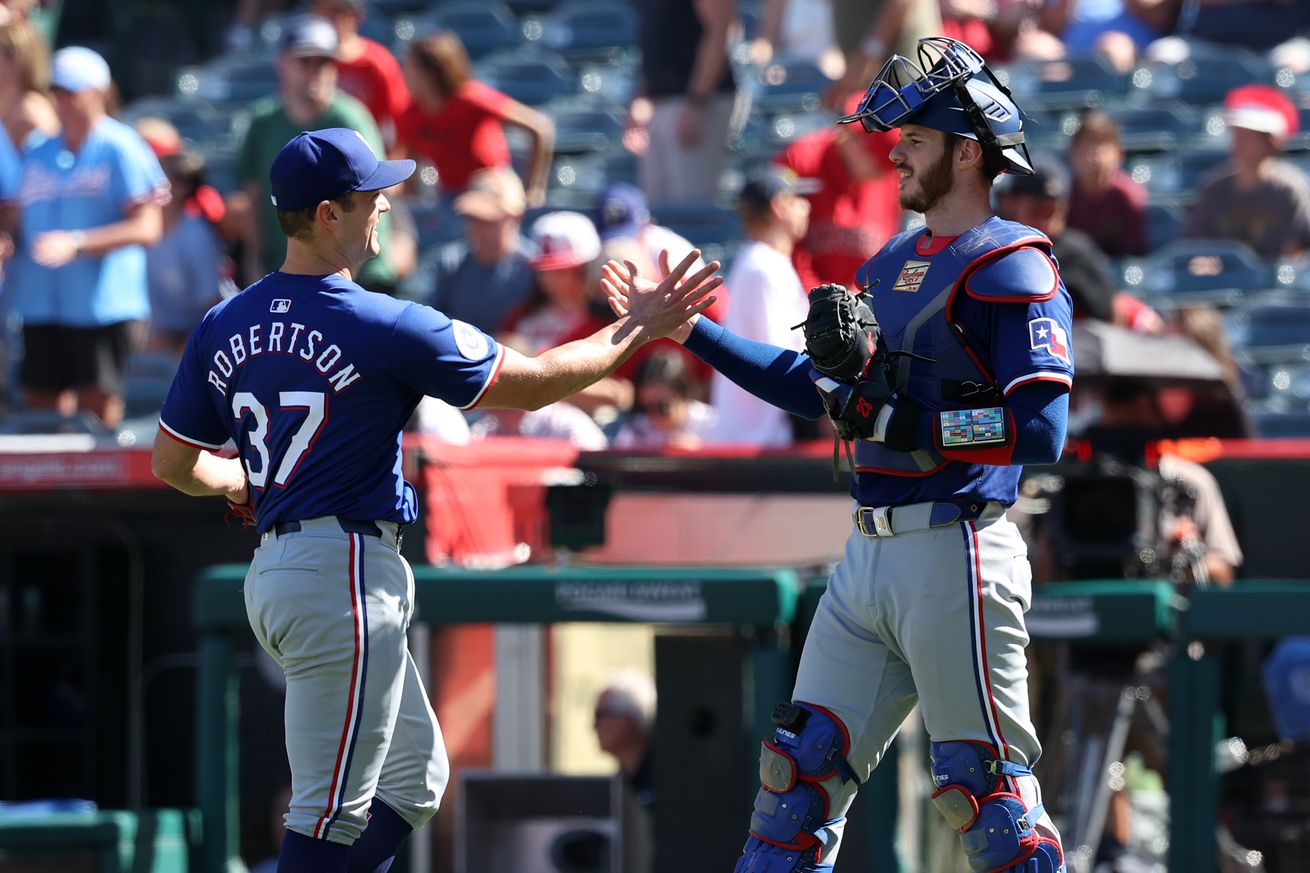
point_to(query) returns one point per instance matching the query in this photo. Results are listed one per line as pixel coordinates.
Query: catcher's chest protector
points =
(912, 294)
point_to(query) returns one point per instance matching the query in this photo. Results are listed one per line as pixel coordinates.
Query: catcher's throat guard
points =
(947, 90)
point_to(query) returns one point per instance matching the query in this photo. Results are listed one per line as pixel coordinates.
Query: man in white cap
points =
(89, 203)
(1255, 197)
(307, 99)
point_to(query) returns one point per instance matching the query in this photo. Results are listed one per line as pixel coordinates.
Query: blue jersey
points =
(314, 378)
(1006, 325)
(112, 172)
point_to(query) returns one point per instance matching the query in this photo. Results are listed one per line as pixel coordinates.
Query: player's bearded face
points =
(926, 185)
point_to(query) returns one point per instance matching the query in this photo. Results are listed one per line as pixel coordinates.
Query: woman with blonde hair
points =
(25, 107)
(458, 123)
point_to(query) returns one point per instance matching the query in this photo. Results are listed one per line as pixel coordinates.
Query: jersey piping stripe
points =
(186, 440)
(355, 701)
(1044, 376)
(491, 379)
(978, 633)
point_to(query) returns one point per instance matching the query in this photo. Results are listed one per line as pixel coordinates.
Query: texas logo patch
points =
(911, 276)
(1044, 333)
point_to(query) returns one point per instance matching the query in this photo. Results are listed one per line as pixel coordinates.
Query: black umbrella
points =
(1106, 351)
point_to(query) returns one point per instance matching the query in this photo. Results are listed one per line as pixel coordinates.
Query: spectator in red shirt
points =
(1105, 203)
(366, 69)
(457, 122)
(854, 208)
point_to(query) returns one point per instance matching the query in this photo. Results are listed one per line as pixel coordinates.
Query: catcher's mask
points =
(946, 91)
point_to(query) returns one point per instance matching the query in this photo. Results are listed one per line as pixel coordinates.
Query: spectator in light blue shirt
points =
(89, 203)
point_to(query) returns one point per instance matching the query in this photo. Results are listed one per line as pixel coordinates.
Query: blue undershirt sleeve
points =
(775, 375)
(1041, 413)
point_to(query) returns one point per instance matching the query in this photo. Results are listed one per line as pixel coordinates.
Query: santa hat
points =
(1262, 108)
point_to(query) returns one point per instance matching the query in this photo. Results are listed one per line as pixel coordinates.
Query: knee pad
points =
(997, 829)
(804, 776)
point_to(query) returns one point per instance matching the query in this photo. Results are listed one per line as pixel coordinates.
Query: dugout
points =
(723, 653)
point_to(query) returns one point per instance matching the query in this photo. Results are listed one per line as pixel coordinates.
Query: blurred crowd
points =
(118, 234)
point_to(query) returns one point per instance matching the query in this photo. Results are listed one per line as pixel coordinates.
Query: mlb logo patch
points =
(281, 304)
(1044, 333)
(911, 276)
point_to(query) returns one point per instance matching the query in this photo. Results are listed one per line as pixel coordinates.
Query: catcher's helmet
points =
(947, 91)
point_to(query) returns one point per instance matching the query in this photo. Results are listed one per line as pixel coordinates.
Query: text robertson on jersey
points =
(281, 338)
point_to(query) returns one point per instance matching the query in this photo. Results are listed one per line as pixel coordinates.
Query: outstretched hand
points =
(652, 304)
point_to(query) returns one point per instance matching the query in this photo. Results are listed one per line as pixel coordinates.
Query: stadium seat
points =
(230, 80)
(1073, 83)
(1270, 332)
(435, 222)
(583, 126)
(1173, 176)
(221, 167)
(589, 30)
(1159, 127)
(613, 81)
(144, 395)
(770, 132)
(195, 120)
(531, 76)
(1199, 80)
(25, 422)
(1274, 419)
(483, 27)
(1290, 381)
(1164, 221)
(787, 85)
(146, 365)
(1211, 270)
(702, 224)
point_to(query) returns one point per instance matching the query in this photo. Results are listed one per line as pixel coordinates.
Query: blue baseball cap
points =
(762, 184)
(622, 211)
(320, 165)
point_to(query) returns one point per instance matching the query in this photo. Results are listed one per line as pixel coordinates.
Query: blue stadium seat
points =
(1290, 381)
(590, 30)
(147, 365)
(531, 76)
(1073, 83)
(221, 166)
(1176, 175)
(770, 132)
(28, 422)
(1164, 221)
(613, 80)
(435, 222)
(1161, 126)
(1210, 270)
(230, 79)
(702, 224)
(1270, 332)
(583, 126)
(1275, 420)
(1203, 78)
(144, 395)
(787, 85)
(394, 7)
(195, 120)
(483, 27)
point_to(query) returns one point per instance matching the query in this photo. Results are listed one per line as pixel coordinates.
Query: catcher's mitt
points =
(842, 337)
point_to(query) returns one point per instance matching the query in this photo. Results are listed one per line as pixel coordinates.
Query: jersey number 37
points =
(256, 460)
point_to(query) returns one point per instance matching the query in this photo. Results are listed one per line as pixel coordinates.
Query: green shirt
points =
(269, 131)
